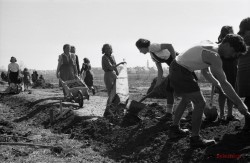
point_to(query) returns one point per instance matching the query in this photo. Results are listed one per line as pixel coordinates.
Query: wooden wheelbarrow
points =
(75, 91)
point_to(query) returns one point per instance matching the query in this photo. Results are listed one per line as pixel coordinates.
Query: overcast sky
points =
(34, 31)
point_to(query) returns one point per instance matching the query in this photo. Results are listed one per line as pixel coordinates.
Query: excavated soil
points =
(145, 141)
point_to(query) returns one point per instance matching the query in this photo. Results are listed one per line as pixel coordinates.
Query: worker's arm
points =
(216, 68)
(170, 48)
(160, 74)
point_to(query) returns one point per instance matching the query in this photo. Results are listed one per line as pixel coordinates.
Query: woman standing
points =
(243, 80)
(13, 71)
(66, 69)
(87, 74)
(109, 67)
(73, 51)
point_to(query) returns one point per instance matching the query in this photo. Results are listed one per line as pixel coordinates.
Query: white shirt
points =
(156, 49)
(192, 58)
(13, 67)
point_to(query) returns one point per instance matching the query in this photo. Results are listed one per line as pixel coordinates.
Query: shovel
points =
(134, 107)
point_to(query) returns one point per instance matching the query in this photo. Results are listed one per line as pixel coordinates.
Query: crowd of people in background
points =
(226, 64)
(17, 77)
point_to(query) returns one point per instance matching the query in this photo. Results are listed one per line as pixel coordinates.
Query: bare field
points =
(85, 136)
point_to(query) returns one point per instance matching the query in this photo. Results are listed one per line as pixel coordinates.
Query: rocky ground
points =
(83, 135)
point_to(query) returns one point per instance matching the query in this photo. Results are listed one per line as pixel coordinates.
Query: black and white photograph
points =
(124, 81)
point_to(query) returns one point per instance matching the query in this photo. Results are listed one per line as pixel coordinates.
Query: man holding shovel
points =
(206, 57)
(161, 53)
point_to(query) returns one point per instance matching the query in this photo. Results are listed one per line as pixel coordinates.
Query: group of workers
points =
(222, 63)
(68, 67)
(226, 64)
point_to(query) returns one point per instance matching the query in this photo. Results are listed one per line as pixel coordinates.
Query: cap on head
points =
(244, 26)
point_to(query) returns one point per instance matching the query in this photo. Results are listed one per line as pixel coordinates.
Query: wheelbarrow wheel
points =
(80, 98)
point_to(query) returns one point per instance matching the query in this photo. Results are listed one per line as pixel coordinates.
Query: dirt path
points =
(94, 107)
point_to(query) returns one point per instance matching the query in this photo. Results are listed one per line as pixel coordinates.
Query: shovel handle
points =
(143, 98)
(146, 96)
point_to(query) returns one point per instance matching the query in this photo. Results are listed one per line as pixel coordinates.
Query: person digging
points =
(162, 53)
(206, 57)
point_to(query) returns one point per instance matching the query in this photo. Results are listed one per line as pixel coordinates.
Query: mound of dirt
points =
(145, 141)
(117, 141)
(148, 139)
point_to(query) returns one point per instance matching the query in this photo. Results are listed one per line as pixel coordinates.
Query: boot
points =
(165, 118)
(247, 124)
(108, 113)
(176, 132)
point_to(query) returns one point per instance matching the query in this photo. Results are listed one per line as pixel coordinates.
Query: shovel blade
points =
(134, 107)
